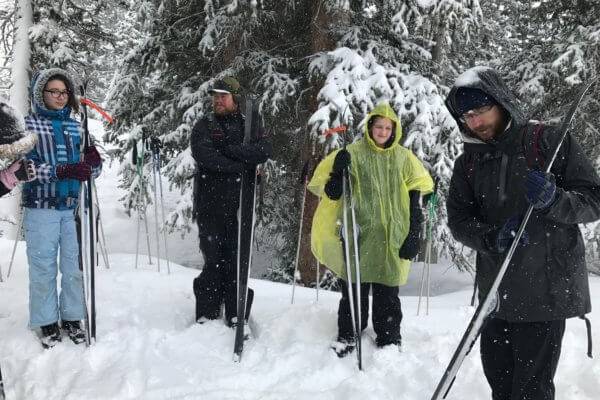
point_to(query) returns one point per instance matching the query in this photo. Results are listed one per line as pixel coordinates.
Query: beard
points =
(224, 110)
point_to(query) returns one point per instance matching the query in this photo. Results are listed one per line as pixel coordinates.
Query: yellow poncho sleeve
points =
(325, 240)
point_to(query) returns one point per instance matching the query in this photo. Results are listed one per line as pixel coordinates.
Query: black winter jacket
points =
(546, 280)
(217, 147)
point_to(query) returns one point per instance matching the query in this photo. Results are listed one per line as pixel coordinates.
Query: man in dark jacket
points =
(220, 154)
(497, 177)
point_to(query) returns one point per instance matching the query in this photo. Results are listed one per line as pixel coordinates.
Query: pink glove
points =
(8, 178)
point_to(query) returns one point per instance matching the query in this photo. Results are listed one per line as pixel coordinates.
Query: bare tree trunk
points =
(437, 53)
(321, 40)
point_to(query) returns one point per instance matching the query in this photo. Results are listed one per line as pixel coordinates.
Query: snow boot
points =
(395, 342)
(74, 330)
(343, 347)
(50, 335)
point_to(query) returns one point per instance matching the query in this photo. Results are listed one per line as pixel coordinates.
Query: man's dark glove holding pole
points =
(499, 240)
(541, 189)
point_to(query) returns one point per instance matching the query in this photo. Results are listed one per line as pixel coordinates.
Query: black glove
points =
(341, 161)
(541, 189)
(500, 239)
(410, 247)
(26, 171)
(334, 186)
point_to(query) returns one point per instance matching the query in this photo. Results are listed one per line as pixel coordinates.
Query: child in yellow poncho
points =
(387, 181)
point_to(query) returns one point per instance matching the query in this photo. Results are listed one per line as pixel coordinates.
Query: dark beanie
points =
(468, 99)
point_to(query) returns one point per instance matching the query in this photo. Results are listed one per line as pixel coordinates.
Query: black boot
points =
(73, 329)
(343, 347)
(394, 342)
(50, 335)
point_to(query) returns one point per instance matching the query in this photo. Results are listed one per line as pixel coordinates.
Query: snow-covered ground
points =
(149, 348)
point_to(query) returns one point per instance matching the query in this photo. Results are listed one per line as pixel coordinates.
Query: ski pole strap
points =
(100, 110)
(588, 326)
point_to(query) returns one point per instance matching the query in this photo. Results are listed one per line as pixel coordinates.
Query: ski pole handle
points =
(337, 129)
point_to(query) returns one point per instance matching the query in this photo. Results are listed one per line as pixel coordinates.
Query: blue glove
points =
(541, 189)
(500, 240)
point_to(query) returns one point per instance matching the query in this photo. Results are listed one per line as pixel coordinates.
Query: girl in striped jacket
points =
(49, 206)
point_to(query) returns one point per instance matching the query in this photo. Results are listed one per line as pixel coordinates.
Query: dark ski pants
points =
(387, 312)
(217, 283)
(520, 359)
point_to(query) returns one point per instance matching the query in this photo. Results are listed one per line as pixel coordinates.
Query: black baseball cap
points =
(226, 85)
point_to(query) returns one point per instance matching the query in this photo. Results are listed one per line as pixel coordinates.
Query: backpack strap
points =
(588, 326)
(533, 147)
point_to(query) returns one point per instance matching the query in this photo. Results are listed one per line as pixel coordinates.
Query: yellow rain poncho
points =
(381, 179)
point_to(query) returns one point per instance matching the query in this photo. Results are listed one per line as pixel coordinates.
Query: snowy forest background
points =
(150, 63)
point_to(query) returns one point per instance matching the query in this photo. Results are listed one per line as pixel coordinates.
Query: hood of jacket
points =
(36, 92)
(489, 81)
(384, 110)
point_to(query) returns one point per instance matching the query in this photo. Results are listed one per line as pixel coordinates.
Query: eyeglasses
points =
(55, 93)
(468, 116)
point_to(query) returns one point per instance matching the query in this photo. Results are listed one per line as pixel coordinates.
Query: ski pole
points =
(156, 222)
(14, 250)
(304, 182)
(355, 234)
(423, 278)
(141, 199)
(100, 229)
(318, 280)
(491, 301)
(346, 203)
(426, 274)
(156, 151)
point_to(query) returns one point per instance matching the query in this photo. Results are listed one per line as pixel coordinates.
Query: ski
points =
(246, 218)
(491, 301)
(86, 204)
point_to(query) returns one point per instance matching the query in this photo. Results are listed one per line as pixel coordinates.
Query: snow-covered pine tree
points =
(285, 52)
(162, 85)
(396, 51)
(559, 49)
(80, 36)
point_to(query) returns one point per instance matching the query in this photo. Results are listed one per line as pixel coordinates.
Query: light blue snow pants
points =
(45, 232)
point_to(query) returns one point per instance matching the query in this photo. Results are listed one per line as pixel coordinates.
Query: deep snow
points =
(149, 348)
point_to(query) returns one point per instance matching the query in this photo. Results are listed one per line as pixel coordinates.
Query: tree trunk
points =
(321, 40)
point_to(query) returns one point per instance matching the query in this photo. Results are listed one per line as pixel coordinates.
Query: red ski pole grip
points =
(331, 131)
